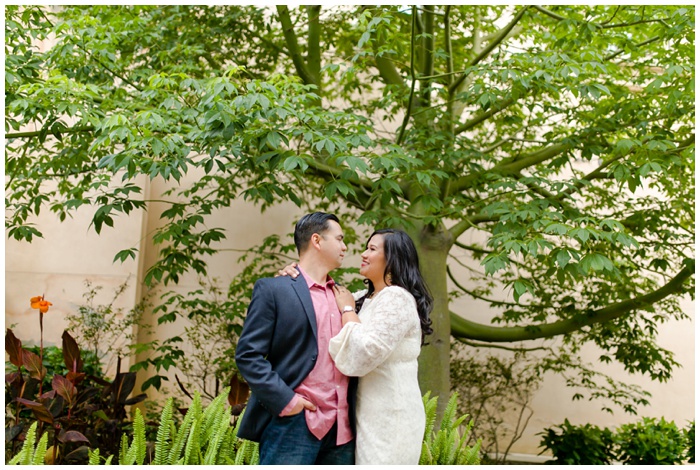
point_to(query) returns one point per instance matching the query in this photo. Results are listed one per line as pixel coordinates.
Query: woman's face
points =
(373, 260)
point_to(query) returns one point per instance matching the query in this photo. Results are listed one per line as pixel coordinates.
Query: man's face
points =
(333, 247)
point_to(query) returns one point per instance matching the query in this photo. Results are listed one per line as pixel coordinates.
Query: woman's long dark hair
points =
(402, 266)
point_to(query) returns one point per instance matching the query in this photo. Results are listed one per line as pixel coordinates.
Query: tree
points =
(554, 145)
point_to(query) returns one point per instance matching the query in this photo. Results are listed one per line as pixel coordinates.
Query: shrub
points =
(579, 445)
(651, 442)
(205, 437)
(646, 442)
(496, 392)
(690, 439)
(78, 409)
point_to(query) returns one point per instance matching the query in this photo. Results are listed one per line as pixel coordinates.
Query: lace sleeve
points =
(360, 347)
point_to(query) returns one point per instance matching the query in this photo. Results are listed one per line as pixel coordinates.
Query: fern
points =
(447, 446)
(139, 437)
(29, 454)
(211, 415)
(94, 457)
(183, 433)
(123, 447)
(136, 452)
(205, 437)
(164, 433)
(219, 424)
(192, 446)
(40, 451)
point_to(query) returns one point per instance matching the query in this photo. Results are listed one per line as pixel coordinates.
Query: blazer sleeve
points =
(254, 347)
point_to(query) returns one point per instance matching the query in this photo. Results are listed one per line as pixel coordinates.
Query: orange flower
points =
(35, 301)
(40, 303)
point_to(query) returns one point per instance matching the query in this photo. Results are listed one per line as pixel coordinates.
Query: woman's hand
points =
(289, 270)
(343, 298)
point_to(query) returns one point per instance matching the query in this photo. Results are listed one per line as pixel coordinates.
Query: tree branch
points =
(293, 45)
(498, 346)
(485, 115)
(464, 328)
(407, 117)
(314, 43)
(427, 42)
(30, 134)
(502, 35)
(512, 166)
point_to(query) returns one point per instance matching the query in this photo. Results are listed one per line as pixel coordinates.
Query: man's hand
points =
(301, 405)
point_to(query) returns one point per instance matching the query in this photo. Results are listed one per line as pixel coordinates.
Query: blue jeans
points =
(288, 441)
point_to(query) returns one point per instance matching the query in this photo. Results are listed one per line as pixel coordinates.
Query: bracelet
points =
(347, 308)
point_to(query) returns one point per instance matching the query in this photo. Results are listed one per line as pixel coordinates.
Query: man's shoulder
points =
(279, 281)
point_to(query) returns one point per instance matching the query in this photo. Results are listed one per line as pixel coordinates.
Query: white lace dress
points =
(383, 351)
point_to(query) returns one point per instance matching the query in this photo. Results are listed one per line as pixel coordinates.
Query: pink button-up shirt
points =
(325, 386)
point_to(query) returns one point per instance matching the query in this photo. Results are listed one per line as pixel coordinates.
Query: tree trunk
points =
(433, 363)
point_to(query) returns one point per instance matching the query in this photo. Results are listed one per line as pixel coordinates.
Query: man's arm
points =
(254, 347)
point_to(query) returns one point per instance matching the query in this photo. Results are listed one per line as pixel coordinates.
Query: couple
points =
(303, 345)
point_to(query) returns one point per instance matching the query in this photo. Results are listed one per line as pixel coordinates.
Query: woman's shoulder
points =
(398, 292)
(359, 294)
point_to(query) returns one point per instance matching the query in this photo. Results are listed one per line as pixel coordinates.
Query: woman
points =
(380, 344)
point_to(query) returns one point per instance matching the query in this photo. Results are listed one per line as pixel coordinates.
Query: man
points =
(299, 409)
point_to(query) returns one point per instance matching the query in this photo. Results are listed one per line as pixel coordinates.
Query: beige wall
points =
(71, 252)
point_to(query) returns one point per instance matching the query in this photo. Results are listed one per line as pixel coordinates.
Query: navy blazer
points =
(277, 349)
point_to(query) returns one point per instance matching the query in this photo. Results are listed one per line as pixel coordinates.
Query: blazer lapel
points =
(302, 290)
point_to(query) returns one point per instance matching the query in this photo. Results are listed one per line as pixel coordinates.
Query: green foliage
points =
(496, 392)
(447, 445)
(55, 365)
(205, 437)
(651, 442)
(77, 409)
(136, 452)
(105, 330)
(550, 151)
(579, 445)
(31, 454)
(690, 438)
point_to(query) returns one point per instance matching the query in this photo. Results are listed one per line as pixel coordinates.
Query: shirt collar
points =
(310, 282)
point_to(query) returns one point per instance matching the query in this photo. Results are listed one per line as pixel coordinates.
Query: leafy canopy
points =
(544, 154)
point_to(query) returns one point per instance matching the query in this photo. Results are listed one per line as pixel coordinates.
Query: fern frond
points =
(426, 457)
(430, 405)
(123, 448)
(230, 444)
(94, 457)
(139, 441)
(255, 458)
(40, 452)
(450, 412)
(181, 437)
(211, 415)
(220, 425)
(109, 460)
(24, 456)
(164, 433)
(192, 448)
(239, 459)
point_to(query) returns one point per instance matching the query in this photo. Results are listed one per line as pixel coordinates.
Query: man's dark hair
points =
(316, 222)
